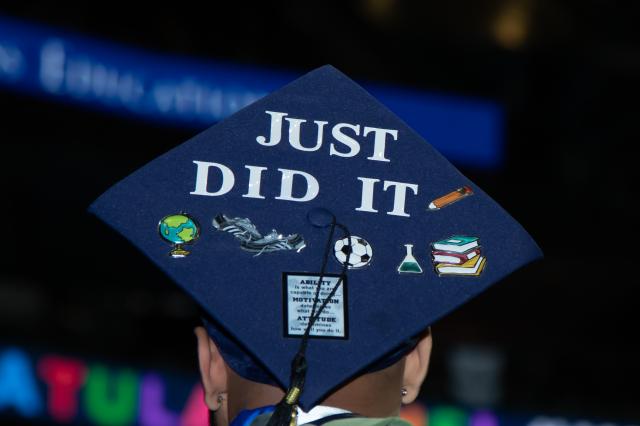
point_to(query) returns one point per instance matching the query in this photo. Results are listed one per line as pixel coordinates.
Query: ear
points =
(212, 370)
(416, 367)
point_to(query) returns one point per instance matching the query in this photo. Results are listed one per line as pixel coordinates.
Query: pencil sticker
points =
(450, 198)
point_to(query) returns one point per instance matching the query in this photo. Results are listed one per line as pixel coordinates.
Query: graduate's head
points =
(378, 391)
(320, 235)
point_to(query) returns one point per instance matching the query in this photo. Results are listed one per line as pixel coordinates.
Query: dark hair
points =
(249, 367)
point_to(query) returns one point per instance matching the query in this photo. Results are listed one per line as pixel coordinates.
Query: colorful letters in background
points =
(73, 391)
(68, 390)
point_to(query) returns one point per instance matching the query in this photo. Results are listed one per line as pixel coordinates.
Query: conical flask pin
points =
(409, 264)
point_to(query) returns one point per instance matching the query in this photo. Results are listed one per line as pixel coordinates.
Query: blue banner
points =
(175, 89)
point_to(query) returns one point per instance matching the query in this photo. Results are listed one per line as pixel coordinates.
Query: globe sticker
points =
(179, 229)
(357, 254)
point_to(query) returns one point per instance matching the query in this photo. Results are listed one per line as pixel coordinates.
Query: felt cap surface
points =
(237, 216)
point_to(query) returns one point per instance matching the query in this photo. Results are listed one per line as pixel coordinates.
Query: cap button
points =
(320, 217)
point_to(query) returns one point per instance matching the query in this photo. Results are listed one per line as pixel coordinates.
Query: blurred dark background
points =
(559, 337)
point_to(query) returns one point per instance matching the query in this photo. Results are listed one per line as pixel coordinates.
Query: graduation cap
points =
(316, 202)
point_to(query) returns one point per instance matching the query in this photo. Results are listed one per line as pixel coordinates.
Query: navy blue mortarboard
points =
(244, 215)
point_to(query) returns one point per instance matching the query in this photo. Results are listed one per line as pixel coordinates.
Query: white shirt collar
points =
(318, 412)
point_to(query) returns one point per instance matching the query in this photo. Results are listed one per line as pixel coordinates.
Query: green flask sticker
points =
(409, 264)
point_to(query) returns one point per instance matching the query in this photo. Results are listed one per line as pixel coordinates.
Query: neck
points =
(374, 394)
(365, 400)
(244, 394)
(371, 395)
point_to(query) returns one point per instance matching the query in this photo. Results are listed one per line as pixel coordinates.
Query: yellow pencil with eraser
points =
(450, 198)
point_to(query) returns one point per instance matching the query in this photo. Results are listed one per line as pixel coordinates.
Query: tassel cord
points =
(286, 409)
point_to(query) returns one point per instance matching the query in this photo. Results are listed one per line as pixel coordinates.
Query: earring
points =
(404, 391)
(219, 400)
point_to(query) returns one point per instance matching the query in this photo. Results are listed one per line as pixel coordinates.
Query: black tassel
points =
(287, 409)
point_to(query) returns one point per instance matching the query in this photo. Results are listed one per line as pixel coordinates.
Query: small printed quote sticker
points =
(299, 294)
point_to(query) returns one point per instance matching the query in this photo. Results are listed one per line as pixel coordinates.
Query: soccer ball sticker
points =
(361, 252)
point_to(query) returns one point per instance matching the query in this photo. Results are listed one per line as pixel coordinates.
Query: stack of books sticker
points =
(458, 255)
